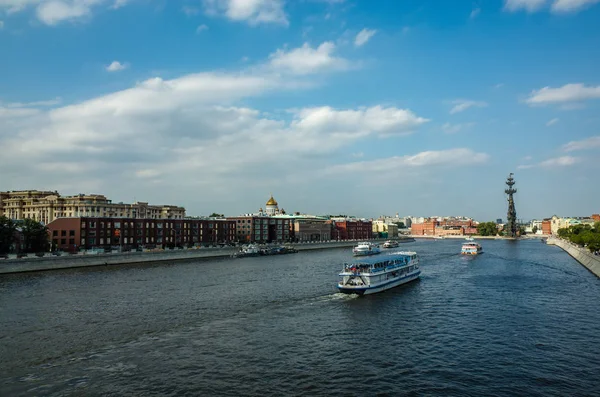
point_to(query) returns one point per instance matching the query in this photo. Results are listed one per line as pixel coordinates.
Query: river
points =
(521, 319)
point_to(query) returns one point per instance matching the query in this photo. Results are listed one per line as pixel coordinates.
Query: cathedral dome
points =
(271, 201)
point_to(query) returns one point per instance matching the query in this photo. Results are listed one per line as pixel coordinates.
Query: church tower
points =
(272, 208)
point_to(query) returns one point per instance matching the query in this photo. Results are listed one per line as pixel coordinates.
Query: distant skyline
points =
(335, 106)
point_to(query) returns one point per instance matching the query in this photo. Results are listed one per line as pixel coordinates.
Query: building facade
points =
(46, 206)
(352, 229)
(72, 234)
(311, 229)
(261, 229)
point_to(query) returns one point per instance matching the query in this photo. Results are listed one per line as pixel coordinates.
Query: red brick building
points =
(260, 229)
(352, 229)
(596, 217)
(426, 228)
(71, 234)
(547, 226)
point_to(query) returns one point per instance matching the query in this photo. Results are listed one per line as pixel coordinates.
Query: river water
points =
(521, 319)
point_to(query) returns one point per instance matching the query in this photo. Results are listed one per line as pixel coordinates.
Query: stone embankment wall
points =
(582, 255)
(33, 264)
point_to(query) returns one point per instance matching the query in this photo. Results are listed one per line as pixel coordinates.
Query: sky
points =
(356, 107)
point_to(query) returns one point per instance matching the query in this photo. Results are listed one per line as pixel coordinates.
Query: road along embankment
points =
(581, 255)
(35, 264)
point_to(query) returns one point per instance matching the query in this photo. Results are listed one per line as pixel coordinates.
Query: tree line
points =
(583, 235)
(26, 236)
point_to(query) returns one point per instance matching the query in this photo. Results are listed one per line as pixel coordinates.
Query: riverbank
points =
(527, 236)
(581, 255)
(47, 263)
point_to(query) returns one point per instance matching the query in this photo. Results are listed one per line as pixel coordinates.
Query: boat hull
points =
(372, 289)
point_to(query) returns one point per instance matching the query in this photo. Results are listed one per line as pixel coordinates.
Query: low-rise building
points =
(72, 234)
(352, 229)
(261, 229)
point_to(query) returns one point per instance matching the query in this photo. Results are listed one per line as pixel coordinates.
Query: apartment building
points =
(71, 234)
(261, 229)
(46, 206)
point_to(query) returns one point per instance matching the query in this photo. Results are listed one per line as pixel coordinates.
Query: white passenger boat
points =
(471, 249)
(365, 249)
(469, 238)
(391, 244)
(248, 250)
(371, 275)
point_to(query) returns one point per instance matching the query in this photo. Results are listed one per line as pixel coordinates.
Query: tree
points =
(400, 225)
(215, 215)
(7, 234)
(521, 231)
(534, 229)
(35, 236)
(487, 229)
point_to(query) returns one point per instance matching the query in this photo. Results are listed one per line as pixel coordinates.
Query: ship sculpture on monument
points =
(511, 224)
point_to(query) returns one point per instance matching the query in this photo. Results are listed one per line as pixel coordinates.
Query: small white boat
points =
(365, 249)
(371, 275)
(439, 237)
(471, 249)
(391, 244)
(249, 250)
(469, 238)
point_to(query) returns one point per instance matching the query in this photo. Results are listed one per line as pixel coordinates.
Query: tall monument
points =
(511, 224)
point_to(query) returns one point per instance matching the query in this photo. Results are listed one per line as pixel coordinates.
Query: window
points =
(92, 224)
(117, 225)
(63, 233)
(71, 233)
(55, 233)
(71, 241)
(63, 241)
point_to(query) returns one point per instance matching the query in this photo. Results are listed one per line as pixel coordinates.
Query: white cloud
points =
(474, 13)
(567, 6)
(177, 130)
(460, 105)
(499, 85)
(557, 6)
(450, 128)
(563, 161)
(527, 5)
(446, 158)
(574, 92)
(363, 36)
(190, 11)
(201, 28)
(306, 60)
(588, 143)
(116, 66)
(1, 24)
(53, 12)
(556, 162)
(252, 11)
(552, 122)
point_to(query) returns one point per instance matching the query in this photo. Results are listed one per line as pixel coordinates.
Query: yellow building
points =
(46, 206)
(380, 226)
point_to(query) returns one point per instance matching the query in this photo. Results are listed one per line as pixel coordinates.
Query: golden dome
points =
(271, 201)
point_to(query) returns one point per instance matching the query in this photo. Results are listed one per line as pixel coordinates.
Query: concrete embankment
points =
(581, 255)
(35, 264)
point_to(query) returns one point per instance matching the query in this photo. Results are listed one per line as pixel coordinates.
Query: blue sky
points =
(334, 106)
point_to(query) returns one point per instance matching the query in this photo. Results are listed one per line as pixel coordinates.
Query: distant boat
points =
(391, 244)
(439, 237)
(469, 238)
(365, 249)
(471, 249)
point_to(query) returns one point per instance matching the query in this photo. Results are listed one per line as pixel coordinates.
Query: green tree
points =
(400, 225)
(215, 215)
(35, 236)
(534, 229)
(7, 233)
(487, 229)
